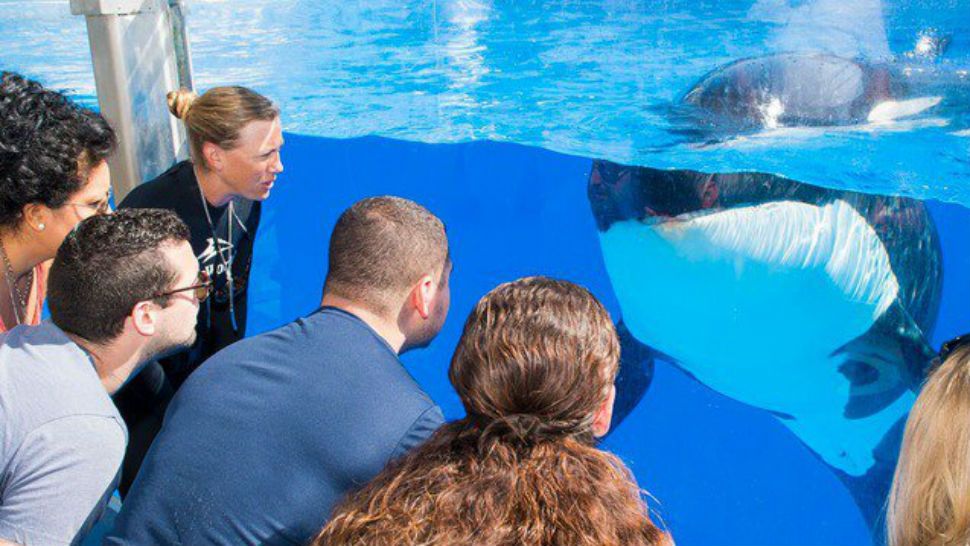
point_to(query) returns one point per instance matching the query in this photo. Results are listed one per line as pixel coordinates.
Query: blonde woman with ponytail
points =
(534, 369)
(235, 138)
(929, 504)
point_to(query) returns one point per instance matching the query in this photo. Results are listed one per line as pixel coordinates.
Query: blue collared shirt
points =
(268, 434)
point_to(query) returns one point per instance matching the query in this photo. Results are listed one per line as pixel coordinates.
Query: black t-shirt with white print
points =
(177, 190)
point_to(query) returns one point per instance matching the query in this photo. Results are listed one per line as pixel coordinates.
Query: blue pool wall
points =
(720, 472)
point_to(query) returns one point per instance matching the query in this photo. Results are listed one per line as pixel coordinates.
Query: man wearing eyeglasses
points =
(266, 436)
(124, 289)
(219, 194)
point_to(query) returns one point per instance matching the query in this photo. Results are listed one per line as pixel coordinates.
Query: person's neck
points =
(216, 192)
(387, 329)
(23, 255)
(114, 362)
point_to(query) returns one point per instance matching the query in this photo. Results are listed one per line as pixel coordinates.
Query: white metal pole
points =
(135, 65)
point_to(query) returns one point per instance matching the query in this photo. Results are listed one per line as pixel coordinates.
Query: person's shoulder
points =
(289, 337)
(45, 365)
(105, 435)
(403, 405)
(80, 440)
(342, 328)
(161, 190)
(411, 395)
(282, 346)
(334, 333)
(43, 351)
(421, 428)
(60, 476)
(329, 344)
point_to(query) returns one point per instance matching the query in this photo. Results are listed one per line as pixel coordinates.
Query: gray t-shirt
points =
(61, 438)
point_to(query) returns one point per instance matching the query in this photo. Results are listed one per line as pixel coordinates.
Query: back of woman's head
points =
(535, 363)
(48, 146)
(219, 115)
(929, 504)
(536, 360)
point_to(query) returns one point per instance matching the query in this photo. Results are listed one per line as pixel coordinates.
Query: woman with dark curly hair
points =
(534, 369)
(53, 174)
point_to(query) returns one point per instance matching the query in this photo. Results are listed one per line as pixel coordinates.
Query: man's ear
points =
(422, 295)
(144, 317)
(604, 414)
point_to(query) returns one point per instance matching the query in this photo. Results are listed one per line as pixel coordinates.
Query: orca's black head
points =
(620, 192)
(790, 89)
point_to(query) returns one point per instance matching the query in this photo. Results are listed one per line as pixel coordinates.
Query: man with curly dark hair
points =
(125, 288)
(53, 174)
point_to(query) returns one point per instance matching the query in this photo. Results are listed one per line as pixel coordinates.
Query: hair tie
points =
(525, 429)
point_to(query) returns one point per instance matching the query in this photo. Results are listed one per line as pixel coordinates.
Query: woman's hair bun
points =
(179, 102)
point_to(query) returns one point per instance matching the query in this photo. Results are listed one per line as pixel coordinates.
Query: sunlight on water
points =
(599, 79)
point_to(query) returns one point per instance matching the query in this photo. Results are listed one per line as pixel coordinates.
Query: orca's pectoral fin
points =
(635, 375)
(871, 490)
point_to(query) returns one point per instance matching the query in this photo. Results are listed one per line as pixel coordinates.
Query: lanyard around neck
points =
(226, 264)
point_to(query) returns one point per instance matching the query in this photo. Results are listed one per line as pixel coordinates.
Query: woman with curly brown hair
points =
(534, 369)
(53, 174)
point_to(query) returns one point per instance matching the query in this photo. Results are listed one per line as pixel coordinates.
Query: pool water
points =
(492, 113)
(722, 472)
(589, 78)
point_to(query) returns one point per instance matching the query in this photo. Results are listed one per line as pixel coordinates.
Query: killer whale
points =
(810, 303)
(801, 89)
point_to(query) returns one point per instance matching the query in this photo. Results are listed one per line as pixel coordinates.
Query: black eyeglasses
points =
(950, 346)
(202, 289)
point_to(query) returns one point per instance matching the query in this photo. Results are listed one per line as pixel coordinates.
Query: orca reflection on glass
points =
(810, 303)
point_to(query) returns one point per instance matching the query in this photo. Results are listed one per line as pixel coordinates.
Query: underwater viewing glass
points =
(784, 180)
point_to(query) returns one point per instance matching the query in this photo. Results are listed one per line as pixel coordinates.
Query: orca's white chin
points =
(755, 301)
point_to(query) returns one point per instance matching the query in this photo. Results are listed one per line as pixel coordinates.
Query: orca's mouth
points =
(619, 193)
(683, 218)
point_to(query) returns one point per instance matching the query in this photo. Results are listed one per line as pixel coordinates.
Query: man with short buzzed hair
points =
(265, 437)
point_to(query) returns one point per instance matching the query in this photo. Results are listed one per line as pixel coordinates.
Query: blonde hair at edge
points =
(218, 115)
(929, 504)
